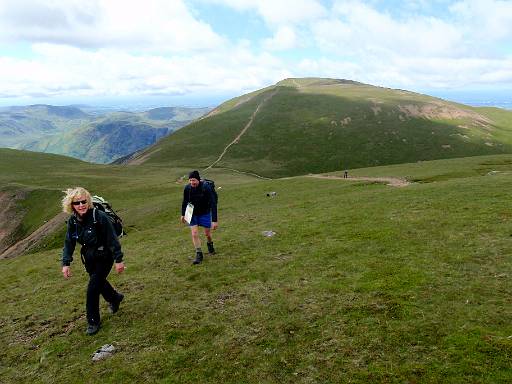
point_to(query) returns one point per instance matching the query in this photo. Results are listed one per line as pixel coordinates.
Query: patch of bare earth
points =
(139, 159)
(444, 111)
(34, 238)
(10, 219)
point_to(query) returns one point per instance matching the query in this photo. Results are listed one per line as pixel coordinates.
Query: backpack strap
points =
(74, 222)
(97, 227)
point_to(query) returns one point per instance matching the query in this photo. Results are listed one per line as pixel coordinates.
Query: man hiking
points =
(199, 197)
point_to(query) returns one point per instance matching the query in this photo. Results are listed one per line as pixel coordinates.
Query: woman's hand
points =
(66, 271)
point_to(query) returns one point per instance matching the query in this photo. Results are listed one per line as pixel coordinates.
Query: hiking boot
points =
(114, 306)
(92, 329)
(198, 259)
(211, 250)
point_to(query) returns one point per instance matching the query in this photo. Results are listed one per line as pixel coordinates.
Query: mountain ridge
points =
(315, 125)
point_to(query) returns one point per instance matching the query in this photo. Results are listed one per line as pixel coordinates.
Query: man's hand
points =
(119, 267)
(214, 225)
(66, 271)
(182, 219)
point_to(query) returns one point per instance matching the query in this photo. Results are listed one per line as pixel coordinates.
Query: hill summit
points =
(312, 125)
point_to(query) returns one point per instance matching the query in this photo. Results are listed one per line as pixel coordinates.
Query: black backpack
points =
(103, 205)
(211, 184)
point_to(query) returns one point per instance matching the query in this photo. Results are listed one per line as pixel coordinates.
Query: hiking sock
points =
(211, 250)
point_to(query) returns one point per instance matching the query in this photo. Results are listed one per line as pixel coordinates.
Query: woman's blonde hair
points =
(72, 193)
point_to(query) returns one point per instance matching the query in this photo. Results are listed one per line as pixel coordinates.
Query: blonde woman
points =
(92, 229)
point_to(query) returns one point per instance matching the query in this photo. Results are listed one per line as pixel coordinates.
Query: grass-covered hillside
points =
(361, 283)
(300, 126)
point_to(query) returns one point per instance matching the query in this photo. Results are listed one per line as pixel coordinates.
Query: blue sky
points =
(202, 52)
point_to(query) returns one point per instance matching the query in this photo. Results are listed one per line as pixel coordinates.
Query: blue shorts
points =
(202, 220)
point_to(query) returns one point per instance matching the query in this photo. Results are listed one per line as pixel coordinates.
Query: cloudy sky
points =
(201, 52)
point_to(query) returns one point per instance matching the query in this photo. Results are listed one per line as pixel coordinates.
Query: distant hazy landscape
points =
(91, 133)
(479, 98)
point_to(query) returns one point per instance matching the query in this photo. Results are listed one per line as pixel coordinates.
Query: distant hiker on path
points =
(201, 197)
(91, 228)
(345, 174)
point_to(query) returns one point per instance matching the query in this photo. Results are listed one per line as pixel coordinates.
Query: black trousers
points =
(98, 267)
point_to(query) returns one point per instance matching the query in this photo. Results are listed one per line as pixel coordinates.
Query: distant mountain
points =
(173, 113)
(29, 123)
(43, 110)
(313, 125)
(102, 142)
(94, 136)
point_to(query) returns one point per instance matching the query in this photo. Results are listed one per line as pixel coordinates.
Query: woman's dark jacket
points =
(93, 237)
(202, 198)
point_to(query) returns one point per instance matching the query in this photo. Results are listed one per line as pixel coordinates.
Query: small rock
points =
(268, 233)
(105, 351)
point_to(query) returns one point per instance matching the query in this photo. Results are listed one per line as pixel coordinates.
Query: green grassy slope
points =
(436, 170)
(320, 125)
(361, 283)
(42, 177)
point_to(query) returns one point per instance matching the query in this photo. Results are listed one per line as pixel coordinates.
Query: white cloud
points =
(61, 69)
(152, 25)
(454, 73)
(114, 47)
(284, 38)
(414, 73)
(485, 20)
(360, 29)
(278, 12)
(324, 67)
(412, 50)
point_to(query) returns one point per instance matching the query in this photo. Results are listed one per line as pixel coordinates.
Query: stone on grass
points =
(104, 352)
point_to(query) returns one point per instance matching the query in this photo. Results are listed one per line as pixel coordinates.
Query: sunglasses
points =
(79, 202)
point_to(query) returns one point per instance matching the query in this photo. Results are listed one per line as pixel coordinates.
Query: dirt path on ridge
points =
(247, 126)
(391, 181)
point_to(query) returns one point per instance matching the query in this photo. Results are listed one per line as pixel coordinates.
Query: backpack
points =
(103, 205)
(211, 184)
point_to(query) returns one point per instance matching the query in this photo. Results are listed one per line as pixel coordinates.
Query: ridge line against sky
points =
(201, 52)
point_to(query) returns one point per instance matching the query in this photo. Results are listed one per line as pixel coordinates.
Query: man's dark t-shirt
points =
(202, 198)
